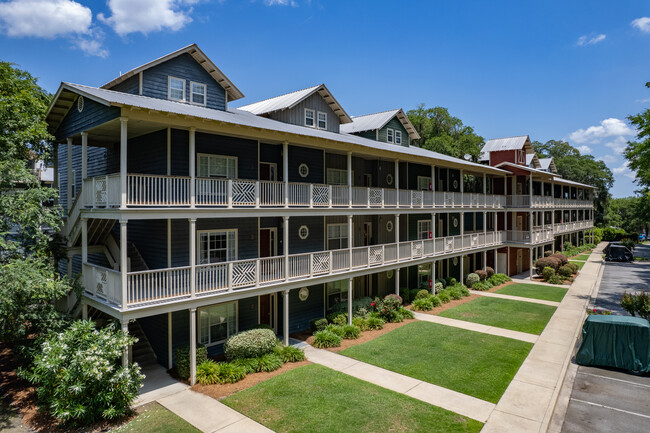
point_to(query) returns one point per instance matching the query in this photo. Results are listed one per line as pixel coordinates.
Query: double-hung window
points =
(217, 246)
(390, 135)
(337, 291)
(217, 166)
(217, 323)
(424, 227)
(398, 137)
(423, 183)
(336, 176)
(310, 116)
(337, 236)
(198, 93)
(322, 120)
(176, 90)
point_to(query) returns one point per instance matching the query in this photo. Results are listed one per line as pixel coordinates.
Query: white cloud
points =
(584, 149)
(607, 159)
(608, 128)
(281, 3)
(618, 145)
(624, 170)
(642, 24)
(585, 40)
(44, 18)
(643, 101)
(91, 46)
(144, 16)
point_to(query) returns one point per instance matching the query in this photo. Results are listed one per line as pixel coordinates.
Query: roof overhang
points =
(413, 134)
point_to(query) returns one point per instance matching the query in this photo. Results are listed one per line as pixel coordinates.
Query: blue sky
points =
(554, 70)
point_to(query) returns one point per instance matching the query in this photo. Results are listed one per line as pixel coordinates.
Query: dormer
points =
(392, 127)
(314, 107)
(532, 161)
(187, 76)
(509, 149)
(547, 164)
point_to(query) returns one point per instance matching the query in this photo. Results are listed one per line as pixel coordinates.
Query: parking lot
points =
(604, 400)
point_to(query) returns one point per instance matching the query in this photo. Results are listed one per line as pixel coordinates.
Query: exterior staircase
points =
(142, 351)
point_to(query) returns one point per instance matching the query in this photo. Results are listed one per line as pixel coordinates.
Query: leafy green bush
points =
(628, 243)
(424, 304)
(442, 281)
(422, 294)
(498, 279)
(555, 279)
(451, 281)
(547, 262)
(351, 332)
(357, 305)
(396, 317)
(325, 339)
(374, 322)
(338, 318)
(472, 279)
(269, 362)
(438, 287)
(435, 301)
(573, 266)
(455, 293)
(463, 289)
(406, 314)
(565, 271)
(385, 307)
(548, 273)
(250, 365)
(360, 322)
(183, 359)
(317, 324)
(336, 329)
(289, 353)
(210, 373)
(79, 375)
(482, 286)
(637, 304)
(444, 296)
(598, 235)
(250, 344)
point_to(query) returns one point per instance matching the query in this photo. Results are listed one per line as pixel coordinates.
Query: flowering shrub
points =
(472, 279)
(598, 312)
(385, 307)
(79, 374)
(250, 344)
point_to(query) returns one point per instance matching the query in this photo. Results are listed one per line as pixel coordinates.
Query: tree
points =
(443, 133)
(572, 165)
(638, 152)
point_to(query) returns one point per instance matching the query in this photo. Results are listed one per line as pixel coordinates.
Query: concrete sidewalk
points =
(529, 402)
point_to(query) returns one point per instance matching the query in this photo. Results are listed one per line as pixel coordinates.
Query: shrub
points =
(338, 318)
(567, 246)
(250, 365)
(396, 317)
(405, 293)
(547, 262)
(482, 286)
(357, 305)
(637, 304)
(548, 273)
(442, 281)
(317, 324)
(289, 353)
(262, 326)
(269, 362)
(336, 329)
(422, 304)
(406, 314)
(435, 301)
(444, 296)
(547, 253)
(562, 259)
(565, 271)
(555, 280)
(351, 332)
(438, 287)
(451, 281)
(472, 279)
(482, 274)
(385, 307)
(249, 344)
(374, 322)
(573, 266)
(78, 377)
(210, 372)
(455, 293)
(498, 279)
(360, 322)
(183, 359)
(324, 339)
(422, 294)
(463, 289)
(489, 271)
(628, 243)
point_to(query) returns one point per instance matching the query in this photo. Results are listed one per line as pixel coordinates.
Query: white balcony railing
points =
(545, 202)
(212, 279)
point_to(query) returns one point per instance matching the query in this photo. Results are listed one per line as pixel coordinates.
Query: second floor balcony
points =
(545, 202)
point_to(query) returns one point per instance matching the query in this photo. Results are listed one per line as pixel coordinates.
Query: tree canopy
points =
(443, 133)
(638, 152)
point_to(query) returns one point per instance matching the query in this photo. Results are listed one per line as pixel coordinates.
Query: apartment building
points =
(195, 220)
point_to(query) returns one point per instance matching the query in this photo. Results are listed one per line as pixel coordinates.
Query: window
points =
(176, 89)
(424, 227)
(337, 291)
(398, 137)
(423, 183)
(197, 93)
(217, 323)
(217, 246)
(390, 135)
(322, 120)
(337, 176)
(424, 275)
(303, 232)
(337, 236)
(303, 170)
(217, 166)
(309, 117)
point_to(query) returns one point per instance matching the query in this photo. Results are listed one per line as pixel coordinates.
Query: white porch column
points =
(55, 161)
(462, 223)
(396, 181)
(485, 189)
(350, 239)
(193, 257)
(462, 269)
(84, 311)
(192, 346)
(285, 171)
(285, 313)
(169, 340)
(127, 350)
(484, 259)
(397, 281)
(169, 243)
(285, 245)
(350, 287)
(397, 233)
(350, 179)
(192, 156)
(84, 155)
(433, 183)
(70, 177)
(496, 261)
(530, 261)
(433, 277)
(169, 153)
(124, 260)
(123, 160)
(84, 240)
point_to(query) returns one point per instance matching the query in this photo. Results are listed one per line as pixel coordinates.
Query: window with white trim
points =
(423, 183)
(424, 227)
(198, 93)
(217, 323)
(337, 291)
(390, 135)
(217, 166)
(310, 116)
(398, 137)
(337, 236)
(336, 176)
(217, 246)
(176, 89)
(322, 120)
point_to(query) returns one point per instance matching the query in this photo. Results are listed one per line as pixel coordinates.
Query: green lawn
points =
(584, 257)
(535, 291)
(476, 364)
(315, 399)
(580, 264)
(504, 313)
(153, 418)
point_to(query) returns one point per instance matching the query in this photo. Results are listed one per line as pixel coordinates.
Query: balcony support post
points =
(397, 233)
(484, 259)
(192, 346)
(123, 160)
(396, 181)
(193, 258)
(169, 340)
(397, 280)
(285, 313)
(285, 245)
(530, 262)
(350, 290)
(462, 269)
(84, 155)
(433, 277)
(350, 237)
(433, 183)
(485, 190)
(84, 240)
(349, 165)
(462, 189)
(84, 311)
(124, 259)
(192, 145)
(70, 177)
(496, 260)
(126, 354)
(285, 171)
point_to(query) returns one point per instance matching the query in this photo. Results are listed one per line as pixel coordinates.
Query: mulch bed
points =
(456, 302)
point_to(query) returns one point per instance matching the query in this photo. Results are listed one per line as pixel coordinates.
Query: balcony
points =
(176, 191)
(163, 285)
(545, 202)
(573, 226)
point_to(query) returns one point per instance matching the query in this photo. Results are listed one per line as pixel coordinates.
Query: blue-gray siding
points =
(296, 115)
(93, 114)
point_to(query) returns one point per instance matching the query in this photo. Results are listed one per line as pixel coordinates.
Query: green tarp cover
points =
(616, 341)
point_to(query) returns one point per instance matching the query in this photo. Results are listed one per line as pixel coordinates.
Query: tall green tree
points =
(443, 133)
(638, 152)
(572, 165)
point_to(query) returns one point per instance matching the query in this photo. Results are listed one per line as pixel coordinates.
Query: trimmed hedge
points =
(250, 344)
(547, 262)
(183, 359)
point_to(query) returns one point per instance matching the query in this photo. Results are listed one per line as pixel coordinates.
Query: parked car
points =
(615, 252)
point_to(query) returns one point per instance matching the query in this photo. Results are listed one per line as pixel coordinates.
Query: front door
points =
(367, 233)
(268, 171)
(268, 242)
(520, 260)
(268, 311)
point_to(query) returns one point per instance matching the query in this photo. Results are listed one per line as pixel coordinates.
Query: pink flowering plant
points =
(385, 307)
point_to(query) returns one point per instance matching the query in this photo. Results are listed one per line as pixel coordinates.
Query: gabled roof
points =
(369, 122)
(533, 161)
(244, 118)
(232, 92)
(509, 143)
(547, 164)
(290, 100)
(512, 167)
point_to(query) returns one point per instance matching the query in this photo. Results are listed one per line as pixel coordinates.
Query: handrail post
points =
(230, 268)
(331, 262)
(257, 194)
(192, 257)
(258, 270)
(310, 265)
(311, 195)
(229, 193)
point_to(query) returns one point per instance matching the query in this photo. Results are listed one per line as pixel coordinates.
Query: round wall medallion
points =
(303, 294)
(303, 232)
(455, 222)
(389, 274)
(455, 183)
(303, 170)
(455, 261)
(80, 104)
(389, 179)
(389, 226)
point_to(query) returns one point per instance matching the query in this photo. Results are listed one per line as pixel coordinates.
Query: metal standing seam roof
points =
(239, 117)
(290, 100)
(531, 158)
(370, 122)
(508, 143)
(548, 164)
(555, 177)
